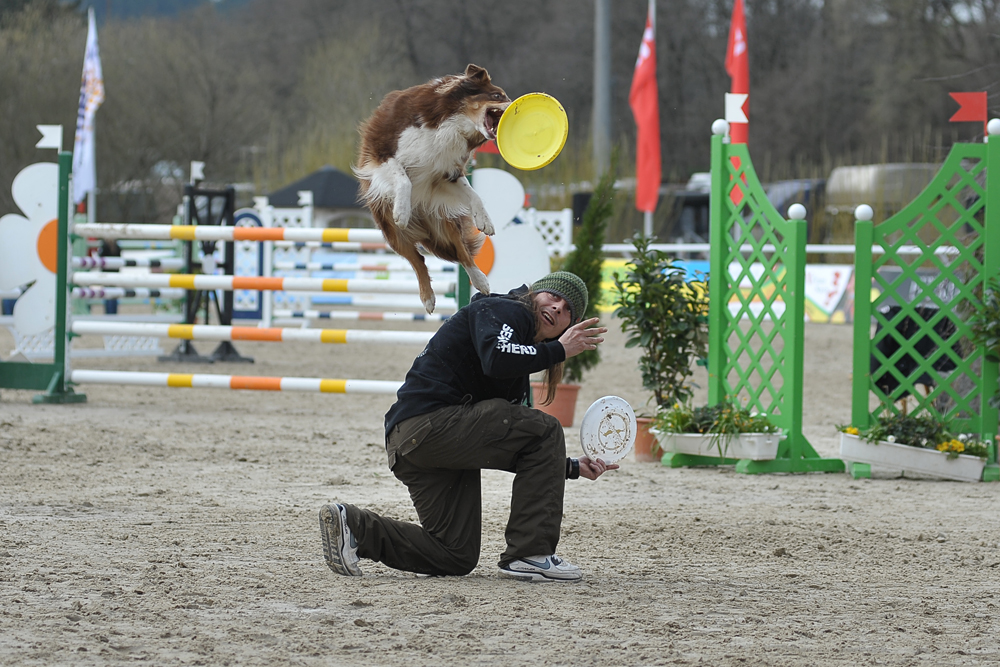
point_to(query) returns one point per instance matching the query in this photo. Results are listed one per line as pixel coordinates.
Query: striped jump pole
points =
(359, 315)
(205, 282)
(356, 266)
(271, 334)
(223, 233)
(206, 381)
(340, 246)
(127, 293)
(168, 263)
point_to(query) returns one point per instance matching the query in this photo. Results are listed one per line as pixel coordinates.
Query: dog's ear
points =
(477, 73)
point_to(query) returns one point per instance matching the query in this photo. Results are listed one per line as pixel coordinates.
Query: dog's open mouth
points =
(491, 121)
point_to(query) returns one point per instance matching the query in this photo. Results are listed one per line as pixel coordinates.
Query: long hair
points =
(553, 374)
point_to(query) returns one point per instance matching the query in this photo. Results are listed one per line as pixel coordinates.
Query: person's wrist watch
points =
(572, 468)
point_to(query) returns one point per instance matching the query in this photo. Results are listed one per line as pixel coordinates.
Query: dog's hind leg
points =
(471, 242)
(478, 278)
(390, 179)
(480, 218)
(416, 260)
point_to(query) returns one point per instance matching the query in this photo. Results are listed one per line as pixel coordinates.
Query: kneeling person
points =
(461, 409)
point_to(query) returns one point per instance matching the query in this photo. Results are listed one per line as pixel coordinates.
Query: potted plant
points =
(585, 260)
(725, 431)
(667, 317)
(920, 444)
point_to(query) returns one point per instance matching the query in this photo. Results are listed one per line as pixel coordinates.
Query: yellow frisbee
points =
(532, 131)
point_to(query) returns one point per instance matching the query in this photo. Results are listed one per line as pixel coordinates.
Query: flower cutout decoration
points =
(28, 247)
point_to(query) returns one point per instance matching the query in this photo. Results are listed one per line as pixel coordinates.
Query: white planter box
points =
(963, 468)
(753, 446)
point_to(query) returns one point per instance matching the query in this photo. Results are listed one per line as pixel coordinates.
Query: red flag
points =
(489, 147)
(971, 107)
(644, 100)
(738, 68)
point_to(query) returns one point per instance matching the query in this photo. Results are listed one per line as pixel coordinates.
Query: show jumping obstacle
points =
(301, 259)
(755, 350)
(57, 378)
(756, 329)
(923, 303)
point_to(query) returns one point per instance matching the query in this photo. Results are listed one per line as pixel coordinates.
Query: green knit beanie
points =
(568, 286)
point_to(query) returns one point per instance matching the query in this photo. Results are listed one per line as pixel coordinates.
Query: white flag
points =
(91, 96)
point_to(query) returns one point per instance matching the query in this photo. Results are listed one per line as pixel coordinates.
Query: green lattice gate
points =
(756, 311)
(927, 266)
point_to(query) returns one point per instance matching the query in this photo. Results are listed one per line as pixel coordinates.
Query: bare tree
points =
(275, 89)
(42, 59)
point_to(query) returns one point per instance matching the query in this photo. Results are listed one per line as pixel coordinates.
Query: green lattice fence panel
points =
(757, 307)
(927, 266)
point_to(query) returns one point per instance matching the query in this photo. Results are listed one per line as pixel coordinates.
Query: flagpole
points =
(602, 88)
(643, 98)
(92, 194)
(738, 68)
(647, 216)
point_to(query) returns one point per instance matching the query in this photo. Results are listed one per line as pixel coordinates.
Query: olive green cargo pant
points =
(439, 456)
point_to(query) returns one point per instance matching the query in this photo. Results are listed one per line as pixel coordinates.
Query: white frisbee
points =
(607, 431)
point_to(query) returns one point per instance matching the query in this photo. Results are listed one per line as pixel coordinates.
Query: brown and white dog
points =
(412, 162)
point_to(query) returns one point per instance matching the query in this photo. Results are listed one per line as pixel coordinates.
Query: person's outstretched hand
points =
(592, 469)
(582, 337)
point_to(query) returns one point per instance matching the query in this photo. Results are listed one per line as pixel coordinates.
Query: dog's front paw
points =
(429, 304)
(481, 219)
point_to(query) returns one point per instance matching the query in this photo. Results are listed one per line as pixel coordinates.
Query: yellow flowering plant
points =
(919, 431)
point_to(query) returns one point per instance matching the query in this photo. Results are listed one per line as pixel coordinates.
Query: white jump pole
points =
(213, 233)
(207, 282)
(318, 385)
(268, 334)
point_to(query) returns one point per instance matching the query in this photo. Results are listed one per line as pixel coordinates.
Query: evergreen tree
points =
(586, 258)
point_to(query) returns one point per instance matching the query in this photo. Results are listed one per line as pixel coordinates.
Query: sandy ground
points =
(179, 526)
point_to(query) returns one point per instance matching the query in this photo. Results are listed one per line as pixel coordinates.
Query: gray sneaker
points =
(340, 549)
(542, 568)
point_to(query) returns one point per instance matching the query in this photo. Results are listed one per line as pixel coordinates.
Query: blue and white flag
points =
(91, 96)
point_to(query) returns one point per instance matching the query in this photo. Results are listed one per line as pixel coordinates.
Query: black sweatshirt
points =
(483, 351)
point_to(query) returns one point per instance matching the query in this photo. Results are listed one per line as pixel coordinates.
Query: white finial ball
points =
(993, 127)
(797, 212)
(720, 126)
(864, 212)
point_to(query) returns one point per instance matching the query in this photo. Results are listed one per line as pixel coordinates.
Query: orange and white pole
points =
(102, 230)
(196, 380)
(207, 282)
(265, 334)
